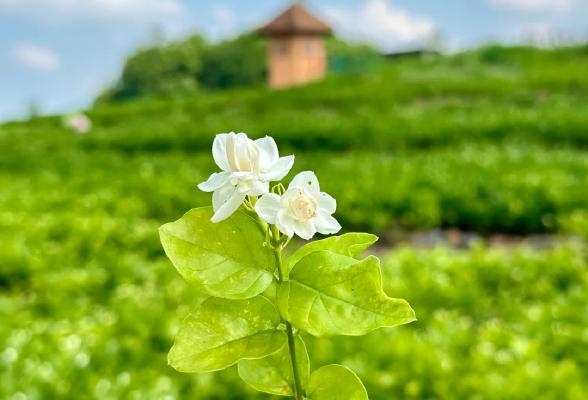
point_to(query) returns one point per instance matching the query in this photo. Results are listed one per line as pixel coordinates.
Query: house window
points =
(310, 47)
(281, 48)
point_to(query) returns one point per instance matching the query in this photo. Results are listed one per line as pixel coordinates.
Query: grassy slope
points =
(491, 95)
(488, 95)
(492, 140)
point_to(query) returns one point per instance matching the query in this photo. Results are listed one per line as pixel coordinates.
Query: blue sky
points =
(59, 54)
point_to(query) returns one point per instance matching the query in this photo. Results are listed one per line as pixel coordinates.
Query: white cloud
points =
(36, 57)
(381, 23)
(96, 8)
(559, 6)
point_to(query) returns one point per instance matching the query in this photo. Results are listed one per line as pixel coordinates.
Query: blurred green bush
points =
(527, 95)
(492, 324)
(488, 140)
(186, 66)
(509, 188)
(89, 307)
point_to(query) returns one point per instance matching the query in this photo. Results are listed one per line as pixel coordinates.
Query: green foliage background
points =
(191, 65)
(493, 140)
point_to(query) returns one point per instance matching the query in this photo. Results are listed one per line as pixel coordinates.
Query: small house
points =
(296, 51)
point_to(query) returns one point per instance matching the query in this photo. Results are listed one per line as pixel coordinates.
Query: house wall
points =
(296, 60)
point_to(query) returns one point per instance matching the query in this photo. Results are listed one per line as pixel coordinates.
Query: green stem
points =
(292, 346)
(298, 393)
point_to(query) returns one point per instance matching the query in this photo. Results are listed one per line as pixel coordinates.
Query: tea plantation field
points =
(490, 141)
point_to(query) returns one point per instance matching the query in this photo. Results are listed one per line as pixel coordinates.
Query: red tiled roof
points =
(295, 20)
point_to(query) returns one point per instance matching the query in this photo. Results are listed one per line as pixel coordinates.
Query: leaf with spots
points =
(332, 294)
(221, 332)
(226, 259)
(348, 244)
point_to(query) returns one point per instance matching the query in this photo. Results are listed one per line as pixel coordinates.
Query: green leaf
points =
(335, 382)
(331, 294)
(225, 260)
(222, 332)
(348, 244)
(273, 374)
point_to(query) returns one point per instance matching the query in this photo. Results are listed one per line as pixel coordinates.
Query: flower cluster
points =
(258, 302)
(247, 168)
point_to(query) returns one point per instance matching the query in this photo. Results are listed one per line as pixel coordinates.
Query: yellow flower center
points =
(303, 207)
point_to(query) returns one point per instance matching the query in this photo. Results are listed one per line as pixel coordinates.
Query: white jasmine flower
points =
(247, 169)
(79, 123)
(303, 210)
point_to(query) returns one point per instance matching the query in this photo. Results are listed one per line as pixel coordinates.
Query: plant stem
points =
(298, 394)
(292, 346)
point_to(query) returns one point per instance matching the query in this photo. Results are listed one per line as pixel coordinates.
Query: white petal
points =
(268, 207)
(253, 187)
(238, 153)
(326, 203)
(244, 175)
(224, 209)
(219, 150)
(215, 181)
(278, 170)
(326, 224)
(222, 195)
(268, 151)
(305, 230)
(306, 180)
(285, 223)
(254, 155)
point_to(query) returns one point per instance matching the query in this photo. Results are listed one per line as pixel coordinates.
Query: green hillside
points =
(457, 141)
(492, 141)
